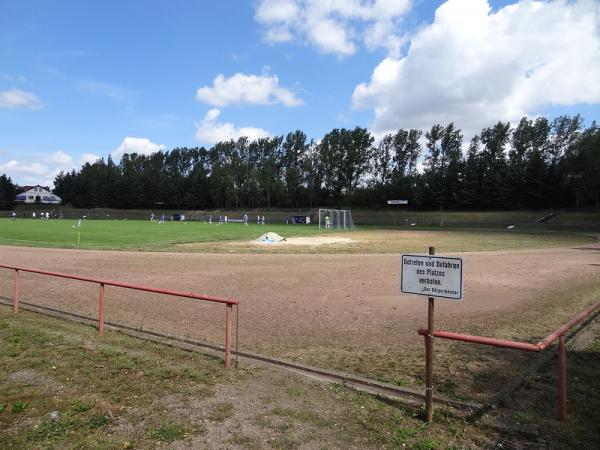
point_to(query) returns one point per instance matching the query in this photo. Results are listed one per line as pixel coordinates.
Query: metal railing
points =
(227, 301)
(540, 346)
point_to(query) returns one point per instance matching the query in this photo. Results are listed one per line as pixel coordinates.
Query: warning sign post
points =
(433, 276)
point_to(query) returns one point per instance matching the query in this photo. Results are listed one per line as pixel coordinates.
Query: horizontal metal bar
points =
(136, 287)
(483, 340)
(567, 326)
(515, 344)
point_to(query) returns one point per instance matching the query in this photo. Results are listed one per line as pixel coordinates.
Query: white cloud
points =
(22, 168)
(474, 66)
(16, 98)
(211, 131)
(44, 168)
(141, 146)
(107, 90)
(334, 26)
(246, 89)
(88, 158)
(60, 158)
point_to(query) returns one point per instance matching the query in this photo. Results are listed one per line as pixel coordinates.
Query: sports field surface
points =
(332, 310)
(235, 237)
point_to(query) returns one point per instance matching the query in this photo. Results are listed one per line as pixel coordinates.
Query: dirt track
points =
(298, 305)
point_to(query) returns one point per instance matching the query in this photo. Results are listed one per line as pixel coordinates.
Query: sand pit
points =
(268, 239)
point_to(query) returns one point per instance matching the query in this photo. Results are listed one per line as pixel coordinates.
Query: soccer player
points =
(327, 222)
(245, 219)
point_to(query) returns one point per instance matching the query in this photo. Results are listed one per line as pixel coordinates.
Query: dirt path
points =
(299, 305)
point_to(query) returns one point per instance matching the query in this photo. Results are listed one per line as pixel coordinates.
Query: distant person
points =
(33, 215)
(263, 220)
(47, 216)
(257, 220)
(152, 216)
(246, 219)
(162, 219)
(13, 215)
(327, 222)
(225, 219)
(210, 219)
(220, 220)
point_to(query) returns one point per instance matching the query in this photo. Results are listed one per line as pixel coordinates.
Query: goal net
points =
(336, 219)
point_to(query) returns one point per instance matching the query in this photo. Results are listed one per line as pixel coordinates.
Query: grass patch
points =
(168, 432)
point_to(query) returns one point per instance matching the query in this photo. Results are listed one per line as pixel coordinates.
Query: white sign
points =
(433, 276)
(397, 202)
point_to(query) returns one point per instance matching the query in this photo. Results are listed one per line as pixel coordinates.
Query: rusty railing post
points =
(101, 311)
(562, 379)
(228, 318)
(429, 357)
(16, 293)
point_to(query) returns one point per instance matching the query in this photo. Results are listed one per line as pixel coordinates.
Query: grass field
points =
(61, 386)
(235, 237)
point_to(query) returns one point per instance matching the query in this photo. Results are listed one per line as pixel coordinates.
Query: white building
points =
(38, 194)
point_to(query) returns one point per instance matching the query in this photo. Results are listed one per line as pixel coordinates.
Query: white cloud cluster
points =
(44, 170)
(246, 89)
(334, 26)
(474, 66)
(16, 98)
(141, 146)
(210, 131)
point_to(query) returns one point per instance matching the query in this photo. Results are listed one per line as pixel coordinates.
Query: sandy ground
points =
(309, 240)
(293, 305)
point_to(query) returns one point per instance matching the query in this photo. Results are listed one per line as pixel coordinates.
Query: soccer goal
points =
(336, 219)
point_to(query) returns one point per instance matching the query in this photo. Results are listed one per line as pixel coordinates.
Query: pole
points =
(101, 311)
(16, 293)
(562, 379)
(228, 316)
(429, 357)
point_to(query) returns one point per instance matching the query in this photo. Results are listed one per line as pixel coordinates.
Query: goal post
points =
(335, 219)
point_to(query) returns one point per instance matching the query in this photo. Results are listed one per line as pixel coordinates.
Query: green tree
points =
(8, 192)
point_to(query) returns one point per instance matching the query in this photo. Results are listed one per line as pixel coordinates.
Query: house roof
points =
(22, 189)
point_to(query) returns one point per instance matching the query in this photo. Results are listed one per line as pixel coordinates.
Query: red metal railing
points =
(227, 301)
(540, 346)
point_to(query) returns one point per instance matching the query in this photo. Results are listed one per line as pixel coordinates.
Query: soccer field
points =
(235, 237)
(132, 234)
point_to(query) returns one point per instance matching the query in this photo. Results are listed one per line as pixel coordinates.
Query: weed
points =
(221, 412)
(427, 444)
(402, 435)
(285, 442)
(79, 406)
(167, 432)
(19, 406)
(98, 421)
(2, 407)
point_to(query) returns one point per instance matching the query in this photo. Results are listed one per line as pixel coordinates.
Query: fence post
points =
(16, 293)
(562, 379)
(101, 311)
(429, 357)
(228, 318)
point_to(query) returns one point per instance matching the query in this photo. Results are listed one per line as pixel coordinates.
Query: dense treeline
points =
(8, 192)
(537, 164)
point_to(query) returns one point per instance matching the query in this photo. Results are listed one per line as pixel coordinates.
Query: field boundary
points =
(388, 391)
(408, 396)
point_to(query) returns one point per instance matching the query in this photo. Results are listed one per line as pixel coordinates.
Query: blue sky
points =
(79, 80)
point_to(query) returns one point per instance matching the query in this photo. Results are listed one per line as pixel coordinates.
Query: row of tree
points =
(536, 164)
